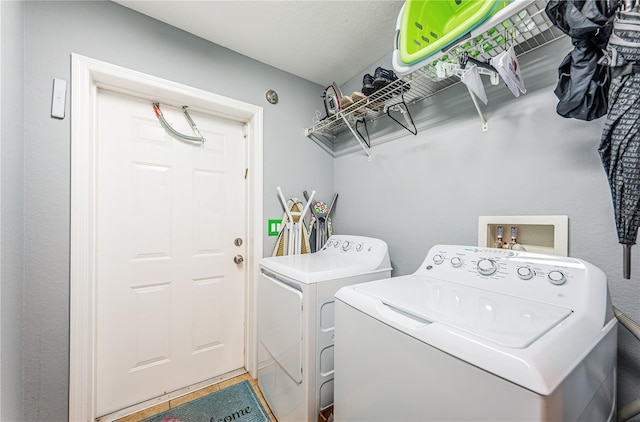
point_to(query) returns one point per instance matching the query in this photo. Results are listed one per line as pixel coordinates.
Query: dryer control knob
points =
(456, 262)
(525, 273)
(438, 259)
(557, 277)
(487, 266)
(358, 247)
(346, 245)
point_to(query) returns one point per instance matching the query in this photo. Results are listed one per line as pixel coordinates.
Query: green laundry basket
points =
(428, 26)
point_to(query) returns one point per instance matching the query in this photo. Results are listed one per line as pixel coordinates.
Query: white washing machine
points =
(296, 321)
(478, 334)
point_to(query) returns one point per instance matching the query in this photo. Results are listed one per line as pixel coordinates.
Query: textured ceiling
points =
(319, 40)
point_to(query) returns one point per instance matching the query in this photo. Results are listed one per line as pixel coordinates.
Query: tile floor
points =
(158, 408)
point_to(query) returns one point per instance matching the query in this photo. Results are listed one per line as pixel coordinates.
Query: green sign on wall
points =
(274, 227)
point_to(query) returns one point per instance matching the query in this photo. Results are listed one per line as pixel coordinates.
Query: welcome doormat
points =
(237, 403)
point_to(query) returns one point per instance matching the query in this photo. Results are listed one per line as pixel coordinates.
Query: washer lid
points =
(317, 267)
(506, 320)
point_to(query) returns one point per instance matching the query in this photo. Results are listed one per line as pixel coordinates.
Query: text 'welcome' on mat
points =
(237, 403)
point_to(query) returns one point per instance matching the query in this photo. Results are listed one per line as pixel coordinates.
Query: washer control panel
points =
(353, 245)
(549, 278)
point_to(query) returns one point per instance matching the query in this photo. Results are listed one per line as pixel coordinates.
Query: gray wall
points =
(109, 32)
(11, 208)
(427, 189)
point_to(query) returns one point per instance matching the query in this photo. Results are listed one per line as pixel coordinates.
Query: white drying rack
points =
(523, 25)
(294, 229)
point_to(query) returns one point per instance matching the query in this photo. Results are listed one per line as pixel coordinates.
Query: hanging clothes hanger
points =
(367, 141)
(404, 110)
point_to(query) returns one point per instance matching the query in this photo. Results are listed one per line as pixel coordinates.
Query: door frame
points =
(87, 76)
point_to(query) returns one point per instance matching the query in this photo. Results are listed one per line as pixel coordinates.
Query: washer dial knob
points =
(557, 277)
(358, 247)
(438, 259)
(525, 273)
(346, 245)
(487, 266)
(456, 262)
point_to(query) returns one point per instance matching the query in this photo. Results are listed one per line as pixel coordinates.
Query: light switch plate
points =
(59, 98)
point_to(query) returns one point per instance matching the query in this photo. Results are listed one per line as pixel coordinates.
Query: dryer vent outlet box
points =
(547, 234)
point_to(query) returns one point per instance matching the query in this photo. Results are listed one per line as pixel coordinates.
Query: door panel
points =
(170, 299)
(281, 323)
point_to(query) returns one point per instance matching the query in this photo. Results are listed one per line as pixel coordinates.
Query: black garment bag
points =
(583, 83)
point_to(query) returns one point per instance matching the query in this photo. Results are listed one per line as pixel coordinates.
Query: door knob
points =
(238, 259)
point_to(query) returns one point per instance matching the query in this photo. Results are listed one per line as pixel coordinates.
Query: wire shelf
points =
(526, 29)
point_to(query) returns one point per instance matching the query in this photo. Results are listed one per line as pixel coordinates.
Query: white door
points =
(170, 298)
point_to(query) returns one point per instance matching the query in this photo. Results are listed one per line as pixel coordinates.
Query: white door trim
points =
(87, 75)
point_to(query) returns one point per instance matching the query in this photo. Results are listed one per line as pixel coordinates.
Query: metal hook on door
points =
(175, 133)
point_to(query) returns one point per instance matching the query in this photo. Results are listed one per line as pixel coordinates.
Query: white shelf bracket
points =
(444, 70)
(485, 125)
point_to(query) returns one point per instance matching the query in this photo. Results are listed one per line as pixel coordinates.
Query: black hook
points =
(464, 59)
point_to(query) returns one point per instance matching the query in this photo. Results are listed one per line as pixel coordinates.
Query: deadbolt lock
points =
(238, 259)
(238, 242)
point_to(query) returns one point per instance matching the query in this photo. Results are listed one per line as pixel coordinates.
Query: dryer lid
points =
(317, 267)
(502, 319)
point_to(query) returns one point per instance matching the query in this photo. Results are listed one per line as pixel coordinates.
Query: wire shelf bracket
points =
(444, 70)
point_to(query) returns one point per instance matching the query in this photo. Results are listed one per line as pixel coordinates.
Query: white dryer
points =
(478, 334)
(296, 321)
